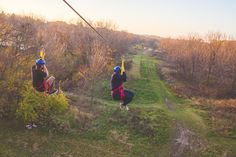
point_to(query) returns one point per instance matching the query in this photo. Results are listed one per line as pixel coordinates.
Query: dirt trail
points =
(184, 142)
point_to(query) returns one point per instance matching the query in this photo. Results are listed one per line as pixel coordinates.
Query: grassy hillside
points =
(158, 124)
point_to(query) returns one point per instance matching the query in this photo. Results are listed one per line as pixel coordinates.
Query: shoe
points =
(127, 108)
(34, 125)
(29, 127)
(121, 106)
(54, 91)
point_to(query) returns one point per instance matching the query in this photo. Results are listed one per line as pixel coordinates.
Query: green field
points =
(158, 124)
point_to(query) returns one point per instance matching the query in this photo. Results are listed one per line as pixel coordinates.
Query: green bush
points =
(8, 98)
(39, 108)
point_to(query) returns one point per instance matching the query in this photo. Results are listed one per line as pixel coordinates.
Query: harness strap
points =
(121, 92)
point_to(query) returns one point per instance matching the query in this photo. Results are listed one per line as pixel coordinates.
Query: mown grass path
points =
(149, 88)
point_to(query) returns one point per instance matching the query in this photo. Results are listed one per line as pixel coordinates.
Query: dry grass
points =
(221, 115)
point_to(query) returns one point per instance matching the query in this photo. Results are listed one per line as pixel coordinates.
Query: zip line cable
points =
(84, 20)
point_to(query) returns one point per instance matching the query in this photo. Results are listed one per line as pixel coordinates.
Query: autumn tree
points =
(99, 62)
(206, 61)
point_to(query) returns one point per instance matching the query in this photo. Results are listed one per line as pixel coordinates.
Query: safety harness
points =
(121, 91)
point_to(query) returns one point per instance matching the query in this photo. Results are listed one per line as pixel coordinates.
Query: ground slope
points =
(158, 124)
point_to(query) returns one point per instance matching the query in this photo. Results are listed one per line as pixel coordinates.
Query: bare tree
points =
(98, 64)
(215, 41)
(209, 62)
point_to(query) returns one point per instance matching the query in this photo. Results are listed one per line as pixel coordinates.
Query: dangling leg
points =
(128, 98)
(50, 84)
(116, 96)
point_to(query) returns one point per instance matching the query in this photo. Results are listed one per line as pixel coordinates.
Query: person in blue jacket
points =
(118, 91)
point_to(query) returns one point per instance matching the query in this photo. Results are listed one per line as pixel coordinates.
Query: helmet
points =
(117, 69)
(40, 61)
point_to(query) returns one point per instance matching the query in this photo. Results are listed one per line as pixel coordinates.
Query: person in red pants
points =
(42, 82)
(118, 91)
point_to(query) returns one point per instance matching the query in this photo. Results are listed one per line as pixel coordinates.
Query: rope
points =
(84, 20)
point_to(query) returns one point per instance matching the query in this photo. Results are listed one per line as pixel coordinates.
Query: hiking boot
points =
(127, 108)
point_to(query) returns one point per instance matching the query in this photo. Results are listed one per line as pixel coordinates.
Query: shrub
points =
(8, 99)
(38, 108)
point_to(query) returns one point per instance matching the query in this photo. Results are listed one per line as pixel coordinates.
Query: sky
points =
(165, 18)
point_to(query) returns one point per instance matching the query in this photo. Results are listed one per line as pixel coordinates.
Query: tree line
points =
(209, 62)
(74, 53)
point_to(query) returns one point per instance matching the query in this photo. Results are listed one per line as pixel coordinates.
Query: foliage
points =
(204, 62)
(9, 98)
(38, 108)
(143, 131)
